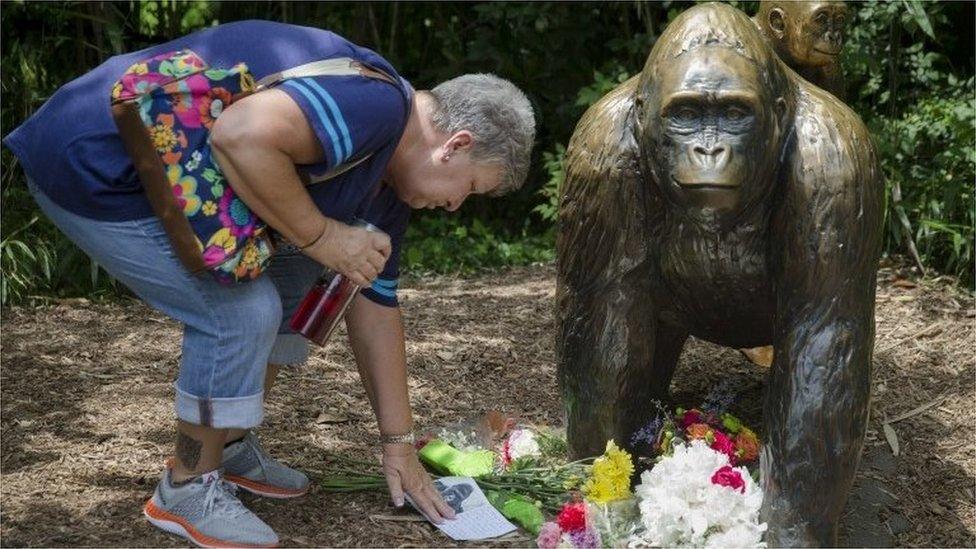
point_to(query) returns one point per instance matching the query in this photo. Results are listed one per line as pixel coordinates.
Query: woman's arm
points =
(376, 335)
(257, 142)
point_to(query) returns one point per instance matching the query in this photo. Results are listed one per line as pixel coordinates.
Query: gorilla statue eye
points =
(684, 114)
(735, 113)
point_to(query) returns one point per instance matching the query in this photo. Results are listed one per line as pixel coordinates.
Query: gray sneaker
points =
(206, 511)
(248, 466)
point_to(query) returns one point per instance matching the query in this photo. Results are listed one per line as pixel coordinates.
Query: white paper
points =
(475, 518)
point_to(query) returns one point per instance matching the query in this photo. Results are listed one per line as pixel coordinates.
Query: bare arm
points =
(376, 335)
(257, 142)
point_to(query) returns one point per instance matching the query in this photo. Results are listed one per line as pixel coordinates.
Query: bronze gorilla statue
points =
(807, 36)
(716, 194)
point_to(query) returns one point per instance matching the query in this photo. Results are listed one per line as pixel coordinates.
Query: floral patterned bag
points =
(164, 108)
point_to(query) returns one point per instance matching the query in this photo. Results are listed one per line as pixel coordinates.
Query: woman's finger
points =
(396, 489)
(422, 500)
(369, 273)
(381, 243)
(442, 507)
(358, 279)
(377, 260)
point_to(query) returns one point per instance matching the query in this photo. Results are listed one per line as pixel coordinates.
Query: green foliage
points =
(553, 162)
(442, 244)
(910, 76)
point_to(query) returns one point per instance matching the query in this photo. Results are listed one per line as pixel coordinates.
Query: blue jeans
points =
(230, 332)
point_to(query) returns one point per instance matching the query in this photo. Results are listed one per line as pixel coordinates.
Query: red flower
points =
(725, 445)
(572, 517)
(691, 417)
(727, 476)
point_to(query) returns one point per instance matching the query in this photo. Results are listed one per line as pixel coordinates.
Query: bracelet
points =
(407, 438)
(316, 239)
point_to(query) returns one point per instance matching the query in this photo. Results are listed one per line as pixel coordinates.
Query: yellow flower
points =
(209, 207)
(610, 477)
(163, 136)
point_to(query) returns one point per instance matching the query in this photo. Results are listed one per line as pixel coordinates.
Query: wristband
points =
(316, 239)
(407, 438)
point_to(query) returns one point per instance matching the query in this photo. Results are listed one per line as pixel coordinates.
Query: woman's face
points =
(445, 177)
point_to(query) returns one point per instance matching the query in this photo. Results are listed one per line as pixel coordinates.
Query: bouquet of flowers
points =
(695, 490)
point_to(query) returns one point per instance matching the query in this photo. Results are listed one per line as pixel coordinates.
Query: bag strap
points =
(334, 172)
(338, 66)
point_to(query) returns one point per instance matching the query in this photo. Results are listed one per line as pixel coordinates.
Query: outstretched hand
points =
(356, 253)
(405, 475)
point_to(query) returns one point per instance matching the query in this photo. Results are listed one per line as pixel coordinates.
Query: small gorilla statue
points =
(716, 194)
(807, 36)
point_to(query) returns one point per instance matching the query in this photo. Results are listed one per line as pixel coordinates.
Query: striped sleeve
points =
(350, 115)
(392, 216)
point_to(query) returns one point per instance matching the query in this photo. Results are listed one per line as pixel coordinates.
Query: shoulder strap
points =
(337, 171)
(339, 66)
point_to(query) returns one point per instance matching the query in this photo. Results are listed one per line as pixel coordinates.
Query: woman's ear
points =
(459, 141)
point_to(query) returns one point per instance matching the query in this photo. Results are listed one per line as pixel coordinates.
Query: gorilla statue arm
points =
(604, 335)
(824, 263)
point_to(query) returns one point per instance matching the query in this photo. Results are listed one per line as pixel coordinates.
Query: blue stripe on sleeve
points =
(386, 283)
(317, 105)
(383, 291)
(335, 113)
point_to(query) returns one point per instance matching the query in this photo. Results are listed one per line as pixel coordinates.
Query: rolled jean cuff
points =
(220, 413)
(289, 350)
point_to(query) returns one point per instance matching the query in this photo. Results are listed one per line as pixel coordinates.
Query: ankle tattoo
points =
(188, 450)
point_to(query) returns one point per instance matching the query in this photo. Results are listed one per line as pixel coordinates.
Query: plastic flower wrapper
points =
(518, 509)
(445, 459)
(610, 476)
(681, 505)
(615, 522)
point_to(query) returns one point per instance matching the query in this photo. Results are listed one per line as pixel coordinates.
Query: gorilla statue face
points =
(810, 34)
(715, 132)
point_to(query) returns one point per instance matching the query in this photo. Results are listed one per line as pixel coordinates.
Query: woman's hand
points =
(405, 474)
(354, 252)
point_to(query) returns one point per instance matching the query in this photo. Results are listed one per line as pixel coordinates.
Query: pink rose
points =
(724, 444)
(727, 476)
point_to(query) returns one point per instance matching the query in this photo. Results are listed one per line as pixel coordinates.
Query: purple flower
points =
(585, 539)
(648, 433)
(719, 398)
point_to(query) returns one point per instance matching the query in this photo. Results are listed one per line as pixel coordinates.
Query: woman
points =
(423, 149)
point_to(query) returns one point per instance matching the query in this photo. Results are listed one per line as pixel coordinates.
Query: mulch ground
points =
(87, 412)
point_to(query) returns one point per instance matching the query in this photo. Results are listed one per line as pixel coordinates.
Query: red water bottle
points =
(326, 302)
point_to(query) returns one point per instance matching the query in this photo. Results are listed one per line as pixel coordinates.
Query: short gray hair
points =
(499, 116)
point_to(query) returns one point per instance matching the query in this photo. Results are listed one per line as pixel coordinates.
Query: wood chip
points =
(918, 410)
(891, 437)
(328, 417)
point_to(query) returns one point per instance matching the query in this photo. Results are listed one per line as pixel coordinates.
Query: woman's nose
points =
(454, 204)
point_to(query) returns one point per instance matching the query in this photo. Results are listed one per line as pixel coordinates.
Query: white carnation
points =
(522, 443)
(680, 506)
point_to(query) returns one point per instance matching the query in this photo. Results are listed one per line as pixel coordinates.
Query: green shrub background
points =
(909, 68)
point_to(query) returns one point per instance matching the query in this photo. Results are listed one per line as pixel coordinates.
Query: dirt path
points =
(87, 402)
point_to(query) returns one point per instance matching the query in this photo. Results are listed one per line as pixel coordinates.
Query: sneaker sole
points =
(265, 490)
(174, 524)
